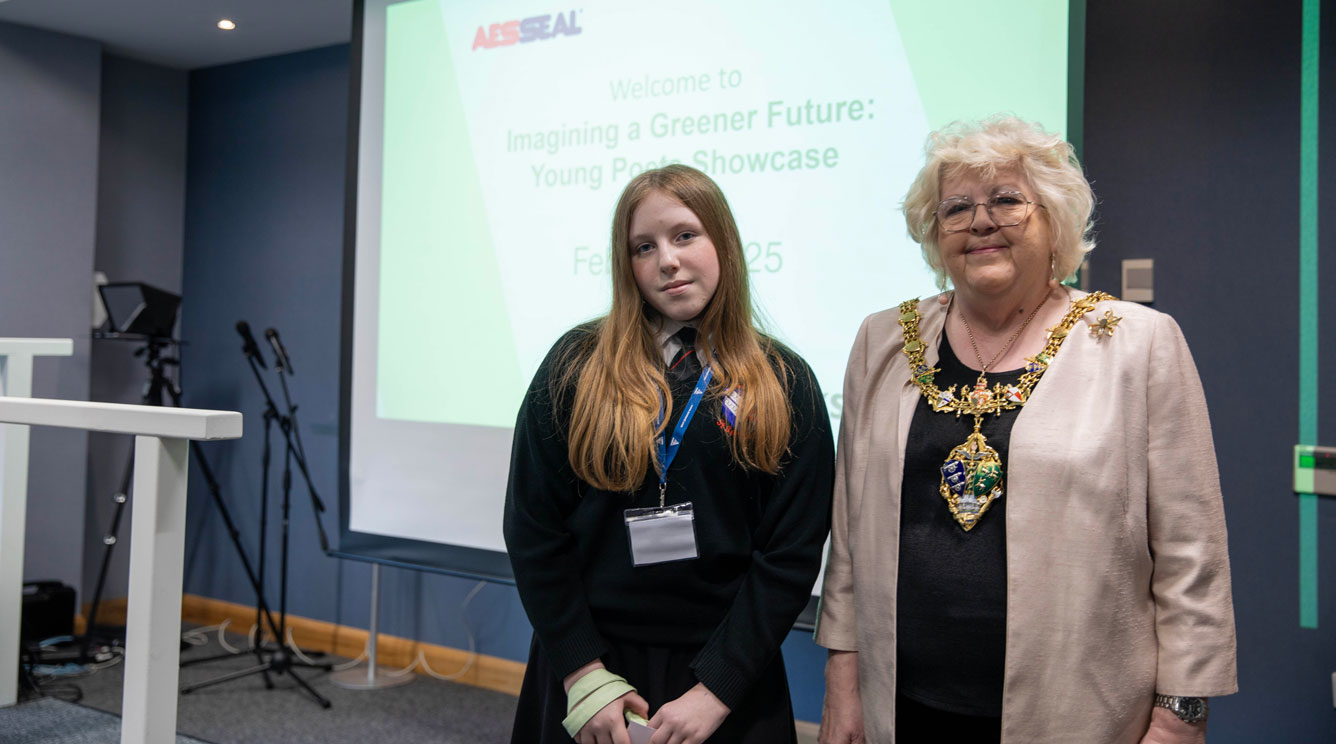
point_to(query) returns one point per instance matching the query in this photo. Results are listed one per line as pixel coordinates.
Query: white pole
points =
(153, 622)
(15, 380)
(376, 677)
(375, 625)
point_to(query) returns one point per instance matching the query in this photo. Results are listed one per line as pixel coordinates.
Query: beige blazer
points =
(1117, 569)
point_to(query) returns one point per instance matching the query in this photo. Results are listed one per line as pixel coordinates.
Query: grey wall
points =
(140, 227)
(49, 99)
(93, 159)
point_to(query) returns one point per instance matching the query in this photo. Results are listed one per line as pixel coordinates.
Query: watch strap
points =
(1188, 709)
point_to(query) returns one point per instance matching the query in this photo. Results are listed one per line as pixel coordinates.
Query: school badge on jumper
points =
(732, 405)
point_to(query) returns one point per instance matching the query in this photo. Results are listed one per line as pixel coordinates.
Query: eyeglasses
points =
(1005, 209)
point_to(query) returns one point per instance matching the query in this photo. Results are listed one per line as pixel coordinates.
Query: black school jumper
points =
(718, 619)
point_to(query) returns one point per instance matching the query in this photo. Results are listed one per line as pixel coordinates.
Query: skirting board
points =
(490, 672)
(109, 612)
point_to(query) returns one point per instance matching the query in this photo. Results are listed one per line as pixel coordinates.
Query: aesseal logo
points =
(534, 28)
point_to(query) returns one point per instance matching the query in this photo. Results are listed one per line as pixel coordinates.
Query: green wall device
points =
(1315, 470)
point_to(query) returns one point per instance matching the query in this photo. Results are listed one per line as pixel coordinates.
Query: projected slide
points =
(496, 137)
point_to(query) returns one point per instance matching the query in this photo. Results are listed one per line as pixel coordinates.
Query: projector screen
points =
(492, 142)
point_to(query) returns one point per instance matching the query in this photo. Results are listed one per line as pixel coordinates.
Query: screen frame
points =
(476, 563)
(472, 563)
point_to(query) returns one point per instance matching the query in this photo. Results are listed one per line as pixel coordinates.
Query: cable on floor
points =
(421, 660)
(297, 652)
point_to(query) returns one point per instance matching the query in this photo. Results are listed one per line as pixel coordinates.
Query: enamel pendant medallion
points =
(972, 473)
(971, 479)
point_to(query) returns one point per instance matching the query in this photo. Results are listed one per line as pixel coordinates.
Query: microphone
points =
(281, 359)
(248, 345)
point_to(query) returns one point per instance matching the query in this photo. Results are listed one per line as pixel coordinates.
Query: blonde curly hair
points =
(1005, 143)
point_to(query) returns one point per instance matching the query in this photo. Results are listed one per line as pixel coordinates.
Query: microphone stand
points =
(280, 659)
(285, 365)
(262, 611)
(158, 384)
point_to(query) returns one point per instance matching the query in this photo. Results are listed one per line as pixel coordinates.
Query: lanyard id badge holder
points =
(667, 533)
(661, 535)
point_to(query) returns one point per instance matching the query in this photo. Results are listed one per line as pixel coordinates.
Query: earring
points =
(1053, 282)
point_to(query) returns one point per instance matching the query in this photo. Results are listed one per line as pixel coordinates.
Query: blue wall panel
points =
(264, 222)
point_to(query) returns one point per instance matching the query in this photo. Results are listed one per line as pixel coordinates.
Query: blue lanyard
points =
(668, 450)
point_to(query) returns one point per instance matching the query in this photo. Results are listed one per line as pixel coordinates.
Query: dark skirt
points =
(660, 674)
(916, 723)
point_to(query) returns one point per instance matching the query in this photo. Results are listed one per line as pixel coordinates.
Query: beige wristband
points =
(590, 694)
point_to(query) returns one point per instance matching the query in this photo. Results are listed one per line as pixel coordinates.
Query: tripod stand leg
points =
(278, 664)
(121, 497)
(321, 699)
(214, 657)
(152, 396)
(187, 689)
(262, 613)
(283, 557)
(28, 655)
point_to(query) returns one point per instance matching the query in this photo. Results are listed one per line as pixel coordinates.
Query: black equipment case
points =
(48, 610)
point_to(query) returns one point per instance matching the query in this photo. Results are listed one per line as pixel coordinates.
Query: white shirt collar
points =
(670, 345)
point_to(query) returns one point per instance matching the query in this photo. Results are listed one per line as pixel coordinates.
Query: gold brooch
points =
(1104, 326)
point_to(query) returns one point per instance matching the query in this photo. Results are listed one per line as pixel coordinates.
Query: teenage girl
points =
(669, 494)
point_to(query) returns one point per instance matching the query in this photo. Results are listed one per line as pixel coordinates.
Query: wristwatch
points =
(1188, 709)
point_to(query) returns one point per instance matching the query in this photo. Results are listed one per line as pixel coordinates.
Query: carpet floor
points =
(52, 721)
(242, 711)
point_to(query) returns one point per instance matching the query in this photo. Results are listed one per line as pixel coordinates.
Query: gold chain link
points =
(996, 400)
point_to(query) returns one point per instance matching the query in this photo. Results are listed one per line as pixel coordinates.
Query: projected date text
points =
(767, 257)
(762, 257)
(591, 262)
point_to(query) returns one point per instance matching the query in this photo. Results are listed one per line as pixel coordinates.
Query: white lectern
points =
(157, 540)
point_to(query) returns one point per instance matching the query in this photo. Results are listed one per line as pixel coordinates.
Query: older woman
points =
(1028, 541)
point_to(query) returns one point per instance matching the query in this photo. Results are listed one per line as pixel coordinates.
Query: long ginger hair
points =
(618, 374)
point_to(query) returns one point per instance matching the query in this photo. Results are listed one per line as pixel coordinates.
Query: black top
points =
(951, 597)
(759, 538)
